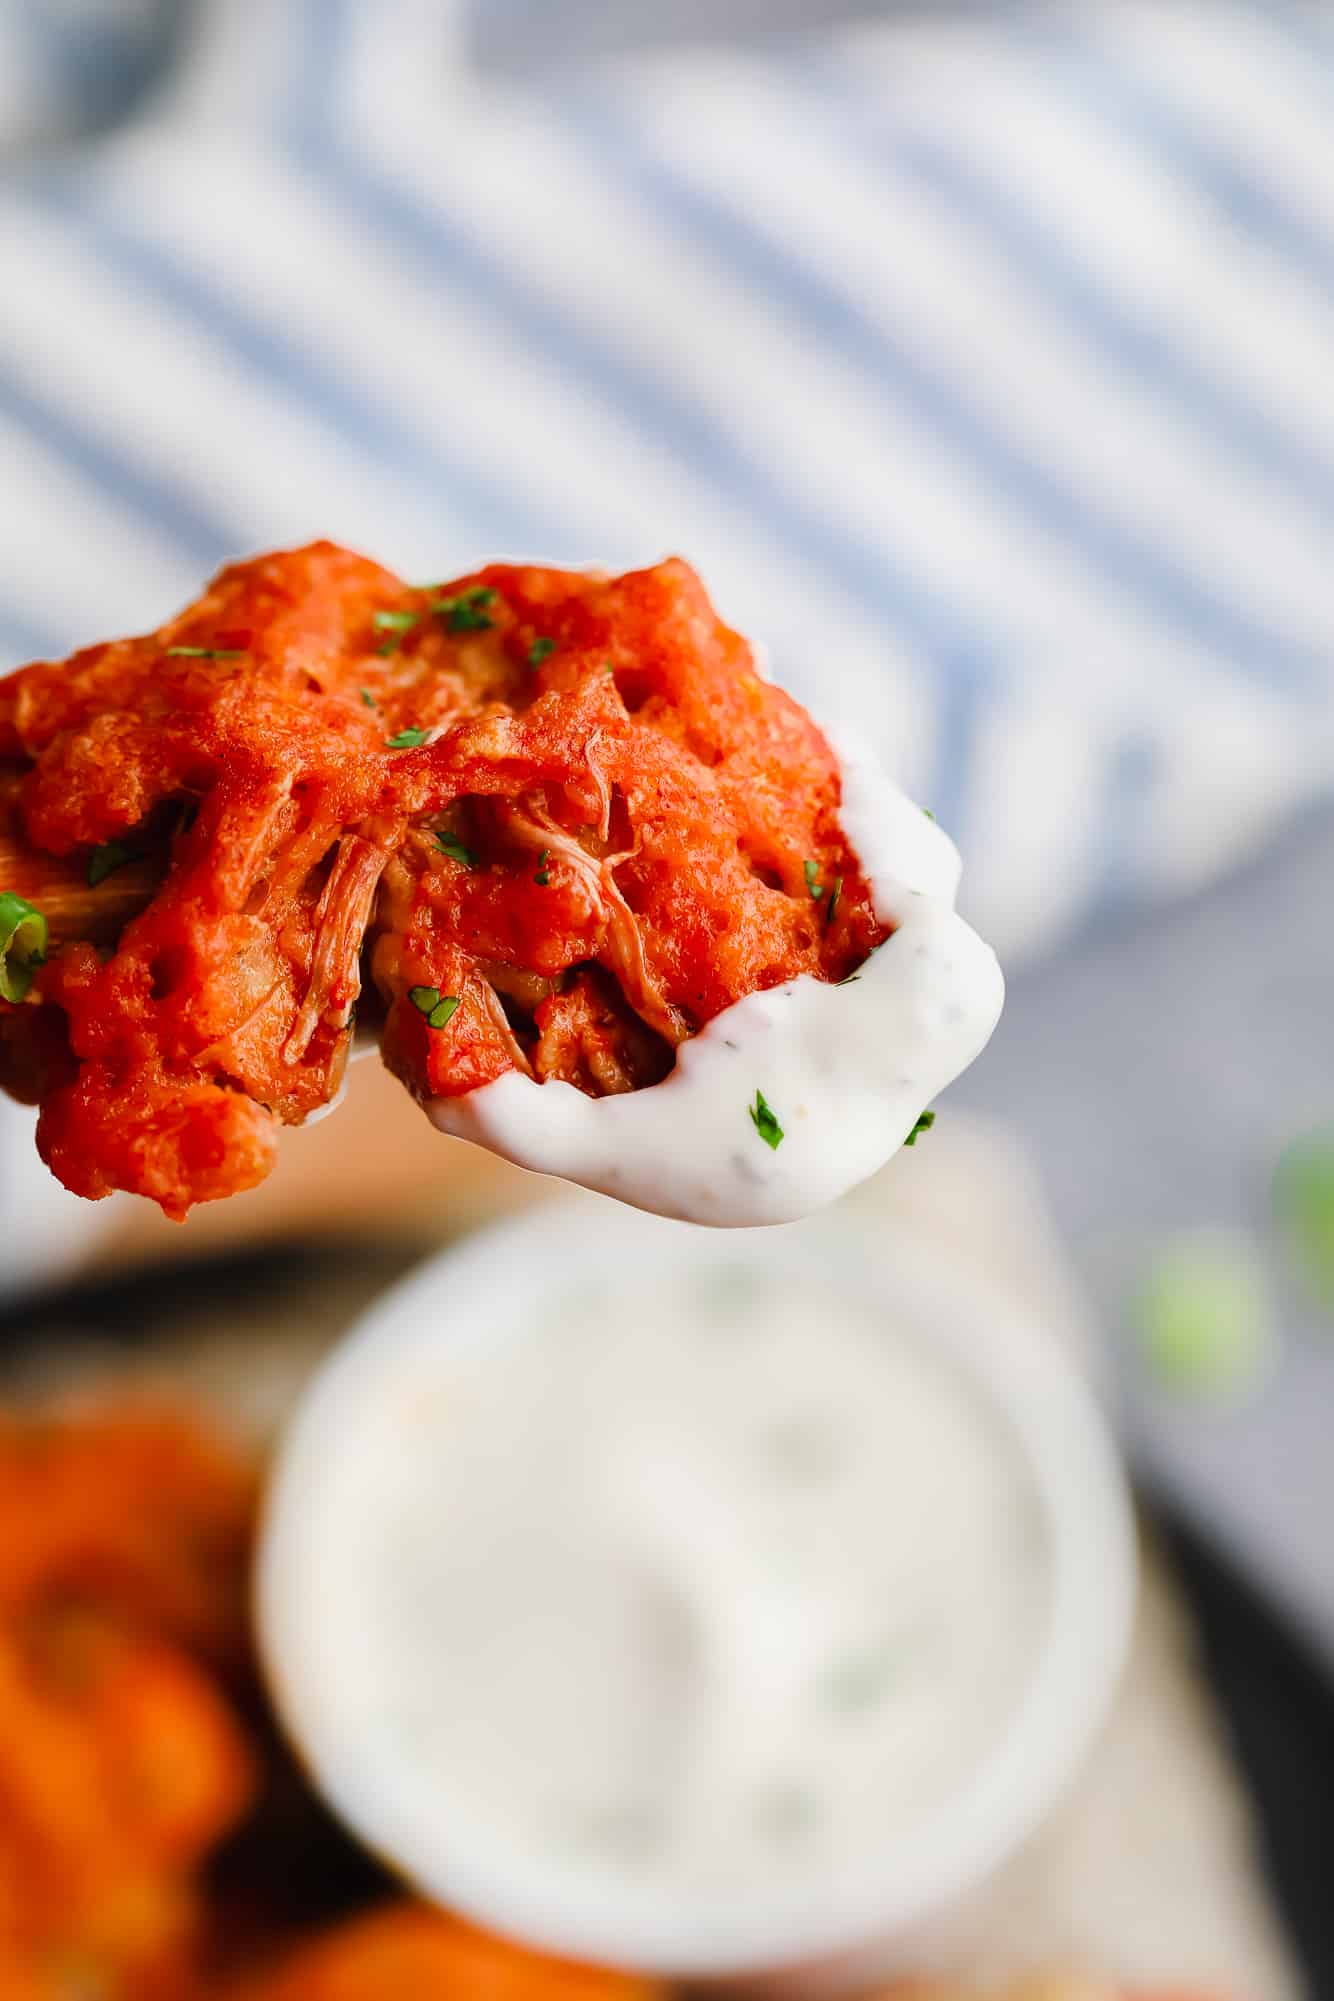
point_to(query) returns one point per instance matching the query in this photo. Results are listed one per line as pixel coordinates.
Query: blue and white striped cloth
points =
(985, 366)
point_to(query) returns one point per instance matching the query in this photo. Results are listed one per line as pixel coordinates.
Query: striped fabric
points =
(984, 364)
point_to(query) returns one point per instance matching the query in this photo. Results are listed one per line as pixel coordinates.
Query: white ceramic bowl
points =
(887, 1904)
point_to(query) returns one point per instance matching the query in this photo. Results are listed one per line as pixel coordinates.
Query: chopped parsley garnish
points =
(368, 698)
(929, 814)
(22, 944)
(924, 1125)
(451, 845)
(834, 895)
(764, 1122)
(406, 739)
(814, 886)
(543, 876)
(467, 611)
(540, 650)
(437, 1007)
(394, 624)
(206, 652)
(104, 861)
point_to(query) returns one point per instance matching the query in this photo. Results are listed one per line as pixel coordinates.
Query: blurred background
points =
(979, 357)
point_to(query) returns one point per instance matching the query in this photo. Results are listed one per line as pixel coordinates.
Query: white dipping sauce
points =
(690, 1596)
(846, 1070)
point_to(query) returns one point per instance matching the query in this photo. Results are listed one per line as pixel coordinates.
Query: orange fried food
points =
(123, 1763)
(121, 1767)
(408, 1953)
(136, 1513)
(556, 821)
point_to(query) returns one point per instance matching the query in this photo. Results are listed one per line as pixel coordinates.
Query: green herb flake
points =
(406, 740)
(1204, 1318)
(1303, 1200)
(205, 652)
(814, 886)
(451, 845)
(764, 1122)
(929, 814)
(467, 610)
(834, 895)
(543, 876)
(22, 944)
(924, 1125)
(104, 861)
(540, 650)
(437, 1007)
(368, 698)
(394, 624)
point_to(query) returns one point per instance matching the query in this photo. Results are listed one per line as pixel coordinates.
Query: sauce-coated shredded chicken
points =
(554, 821)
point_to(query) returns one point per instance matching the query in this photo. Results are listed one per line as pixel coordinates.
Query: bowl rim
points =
(1020, 1366)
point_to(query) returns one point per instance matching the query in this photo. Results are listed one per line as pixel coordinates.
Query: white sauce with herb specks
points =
(845, 1070)
(684, 1594)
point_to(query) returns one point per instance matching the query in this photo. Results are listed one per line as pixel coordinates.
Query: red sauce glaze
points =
(602, 841)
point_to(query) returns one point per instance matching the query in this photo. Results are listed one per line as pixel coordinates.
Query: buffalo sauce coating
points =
(561, 818)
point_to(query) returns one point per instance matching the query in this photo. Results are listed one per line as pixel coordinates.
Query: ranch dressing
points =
(686, 1591)
(845, 1070)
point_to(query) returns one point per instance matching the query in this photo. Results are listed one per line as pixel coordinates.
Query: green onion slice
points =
(22, 944)
(764, 1122)
(437, 1007)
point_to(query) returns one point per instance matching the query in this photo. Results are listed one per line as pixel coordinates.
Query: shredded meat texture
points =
(568, 803)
